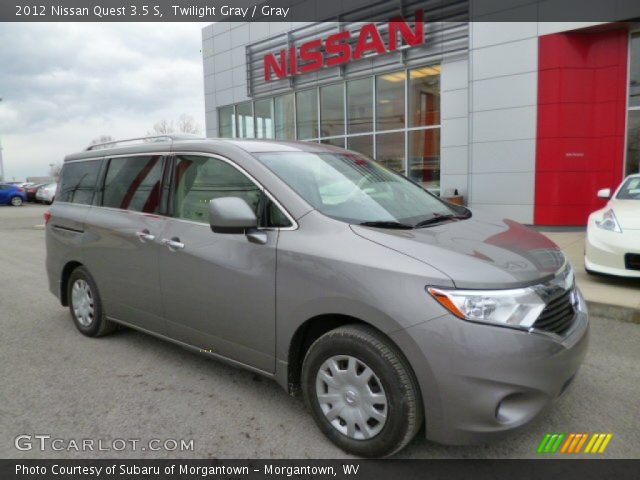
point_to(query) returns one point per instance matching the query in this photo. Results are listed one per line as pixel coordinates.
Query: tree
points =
(103, 139)
(185, 124)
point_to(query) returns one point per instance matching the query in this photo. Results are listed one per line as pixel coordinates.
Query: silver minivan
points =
(386, 308)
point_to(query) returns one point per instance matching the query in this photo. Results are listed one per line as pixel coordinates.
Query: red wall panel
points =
(582, 96)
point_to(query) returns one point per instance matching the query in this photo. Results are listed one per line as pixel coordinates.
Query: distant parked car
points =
(613, 233)
(47, 193)
(32, 190)
(12, 195)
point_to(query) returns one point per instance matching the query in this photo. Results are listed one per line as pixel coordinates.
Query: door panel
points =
(218, 290)
(125, 268)
(125, 232)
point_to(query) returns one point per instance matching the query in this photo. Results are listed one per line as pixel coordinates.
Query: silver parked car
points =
(387, 308)
(47, 193)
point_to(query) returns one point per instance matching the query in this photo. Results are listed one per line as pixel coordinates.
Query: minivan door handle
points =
(173, 244)
(145, 236)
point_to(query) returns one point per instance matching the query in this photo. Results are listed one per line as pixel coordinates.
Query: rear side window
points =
(134, 183)
(78, 182)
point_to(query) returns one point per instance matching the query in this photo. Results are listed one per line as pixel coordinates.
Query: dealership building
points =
(524, 119)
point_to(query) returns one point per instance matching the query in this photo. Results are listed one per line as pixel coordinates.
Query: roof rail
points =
(169, 137)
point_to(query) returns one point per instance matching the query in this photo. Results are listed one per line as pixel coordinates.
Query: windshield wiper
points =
(437, 218)
(387, 224)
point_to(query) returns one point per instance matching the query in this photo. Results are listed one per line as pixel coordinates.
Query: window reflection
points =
(362, 144)
(336, 142)
(424, 157)
(390, 150)
(360, 105)
(284, 115)
(633, 143)
(424, 96)
(263, 111)
(307, 114)
(332, 110)
(244, 119)
(226, 122)
(390, 101)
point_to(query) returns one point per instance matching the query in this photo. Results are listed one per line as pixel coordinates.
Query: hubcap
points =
(82, 302)
(16, 201)
(351, 397)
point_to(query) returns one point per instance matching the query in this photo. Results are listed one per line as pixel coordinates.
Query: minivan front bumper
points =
(479, 382)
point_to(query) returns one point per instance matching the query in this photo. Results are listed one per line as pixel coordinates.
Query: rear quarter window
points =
(78, 182)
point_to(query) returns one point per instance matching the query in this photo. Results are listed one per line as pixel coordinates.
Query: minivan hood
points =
(480, 252)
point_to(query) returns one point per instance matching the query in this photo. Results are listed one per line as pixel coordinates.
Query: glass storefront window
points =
(263, 112)
(307, 114)
(424, 96)
(244, 119)
(633, 143)
(390, 150)
(336, 142)
(634, 71)
(332, 110)
(284, 117)
(362, 144)
(318, 114)
(360, 105)
(226, 122)
(390, 101)
(424, 157)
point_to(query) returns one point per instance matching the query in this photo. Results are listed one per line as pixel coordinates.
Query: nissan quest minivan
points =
(386, 307)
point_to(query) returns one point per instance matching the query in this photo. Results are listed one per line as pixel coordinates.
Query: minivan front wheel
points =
(85, 305)
(361, 391)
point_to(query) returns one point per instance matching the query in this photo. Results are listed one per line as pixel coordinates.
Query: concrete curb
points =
(614, 312)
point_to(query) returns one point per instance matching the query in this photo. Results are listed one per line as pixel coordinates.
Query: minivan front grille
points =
(558, 316)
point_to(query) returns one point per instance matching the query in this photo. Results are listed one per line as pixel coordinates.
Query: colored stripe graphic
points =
(573, 443)
(598, 443)
(551, 442)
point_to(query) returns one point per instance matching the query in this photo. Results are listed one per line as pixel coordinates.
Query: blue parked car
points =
(12, 195)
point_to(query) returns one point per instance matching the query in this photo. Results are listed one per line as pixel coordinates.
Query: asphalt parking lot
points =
(132, 386)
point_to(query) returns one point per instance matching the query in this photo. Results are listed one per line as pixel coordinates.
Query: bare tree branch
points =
(103, 139)
(185, 124)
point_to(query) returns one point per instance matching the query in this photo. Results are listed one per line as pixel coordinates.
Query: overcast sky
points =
(64, 84)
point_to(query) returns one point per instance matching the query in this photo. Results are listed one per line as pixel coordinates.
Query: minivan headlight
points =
(609, 222)
(517, 308)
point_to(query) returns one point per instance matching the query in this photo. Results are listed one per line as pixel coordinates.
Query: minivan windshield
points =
(352, 188)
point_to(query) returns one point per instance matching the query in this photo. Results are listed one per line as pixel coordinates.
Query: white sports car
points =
(613, 233)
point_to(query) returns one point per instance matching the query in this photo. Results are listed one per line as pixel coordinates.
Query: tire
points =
(86, 311)
(16, 201)
(389, 375)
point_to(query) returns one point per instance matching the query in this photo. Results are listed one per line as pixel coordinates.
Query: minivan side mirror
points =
(604, 193)
(231, 215)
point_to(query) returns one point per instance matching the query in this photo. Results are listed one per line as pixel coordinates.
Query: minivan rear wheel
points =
(85, 305)
(16, 201)
(361, 391)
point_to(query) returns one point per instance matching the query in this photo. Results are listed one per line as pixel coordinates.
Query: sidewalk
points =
(607, 296)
